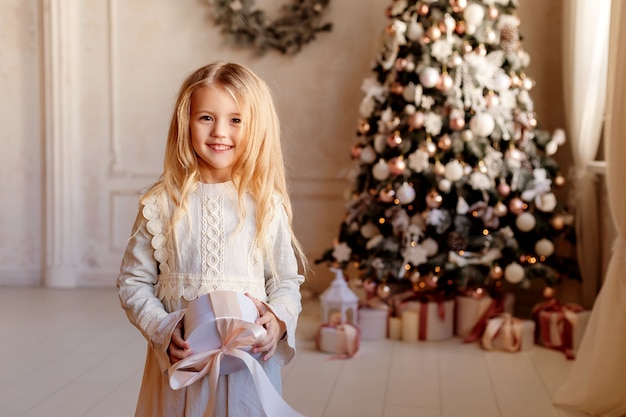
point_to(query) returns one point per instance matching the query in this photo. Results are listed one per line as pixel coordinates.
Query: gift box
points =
(507, 333)
(474, 310)
(221, 331)
(340, 339)
(560, 326)
(372, 320)
(426, 320)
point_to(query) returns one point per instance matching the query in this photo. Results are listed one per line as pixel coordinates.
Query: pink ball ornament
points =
(397, 166)
(516, 206)
(401, 64)
(356, 151)
(394, 140)
(457, 122)
(514, 273)
(445, 83)
(504, 189)
(416, 120)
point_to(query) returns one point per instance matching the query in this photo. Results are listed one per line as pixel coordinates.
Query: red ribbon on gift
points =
(495, 308)
(565, 318)
(424, 298)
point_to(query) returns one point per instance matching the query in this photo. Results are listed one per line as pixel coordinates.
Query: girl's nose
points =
(219, 130)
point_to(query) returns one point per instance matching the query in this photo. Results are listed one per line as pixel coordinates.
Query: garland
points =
(249, 27)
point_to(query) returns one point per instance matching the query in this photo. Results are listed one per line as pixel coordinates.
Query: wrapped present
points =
(221, 330)
(507, 333)
(560, 326)
(372, 319)
(473, 310)
(430, 320)
(340, 339)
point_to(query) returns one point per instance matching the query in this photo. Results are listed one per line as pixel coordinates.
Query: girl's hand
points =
(274, 327)
(178, 348)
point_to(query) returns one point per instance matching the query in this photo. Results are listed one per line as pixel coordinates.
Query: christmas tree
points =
(453, 178)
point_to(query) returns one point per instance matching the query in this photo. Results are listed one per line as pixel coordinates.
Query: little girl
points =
(219, 218)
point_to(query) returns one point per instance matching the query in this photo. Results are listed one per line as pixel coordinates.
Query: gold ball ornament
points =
(386, 195)
(496, 272)
(383, 291)
(548, 292)
(559, 180)
(557, 222)
(433, 33)
(363, 127)
(434, 199)
(445, 142)
(500, 209)
(439, 169)
(394, 140)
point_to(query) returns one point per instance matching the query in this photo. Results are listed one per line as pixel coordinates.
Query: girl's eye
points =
(206, 118)
(236, 120)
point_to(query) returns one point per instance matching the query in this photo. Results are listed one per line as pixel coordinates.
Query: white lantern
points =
(339, 299)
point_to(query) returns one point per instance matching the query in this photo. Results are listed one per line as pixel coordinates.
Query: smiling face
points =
(215, 127)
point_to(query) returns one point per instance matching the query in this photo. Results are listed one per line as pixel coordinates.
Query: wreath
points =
(250, 27)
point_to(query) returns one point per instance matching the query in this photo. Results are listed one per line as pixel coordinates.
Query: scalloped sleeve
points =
(136, 287)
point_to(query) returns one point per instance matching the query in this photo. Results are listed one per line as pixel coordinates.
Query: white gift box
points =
(470, 309)
(340, 339)
(509, 334)
(430, 321)
(373, 323)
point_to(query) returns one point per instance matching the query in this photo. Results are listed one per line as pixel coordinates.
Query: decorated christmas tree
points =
(453, 180)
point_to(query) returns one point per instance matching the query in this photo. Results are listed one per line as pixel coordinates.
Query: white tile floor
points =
(73, 353)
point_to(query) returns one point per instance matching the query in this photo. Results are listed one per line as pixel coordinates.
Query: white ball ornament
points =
(525, 222)
(474, 14)
(429, 77)
(546, 202)
(405, 193)
(444, 186)
(380, 171)
(482, 124)
(369, 230)
(454, 170)
(431, 246)
(544, 247)
(502, 82)
(368, 155)
(514, 273)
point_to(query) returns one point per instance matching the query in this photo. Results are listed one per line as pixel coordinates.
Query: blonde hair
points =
(258, 167)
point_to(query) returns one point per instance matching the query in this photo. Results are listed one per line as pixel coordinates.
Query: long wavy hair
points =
(258, 166)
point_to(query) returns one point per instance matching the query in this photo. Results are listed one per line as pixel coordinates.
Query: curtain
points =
(585, 60)
(597, 381)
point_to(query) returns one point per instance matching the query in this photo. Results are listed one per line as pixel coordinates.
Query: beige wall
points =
(108, 91)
